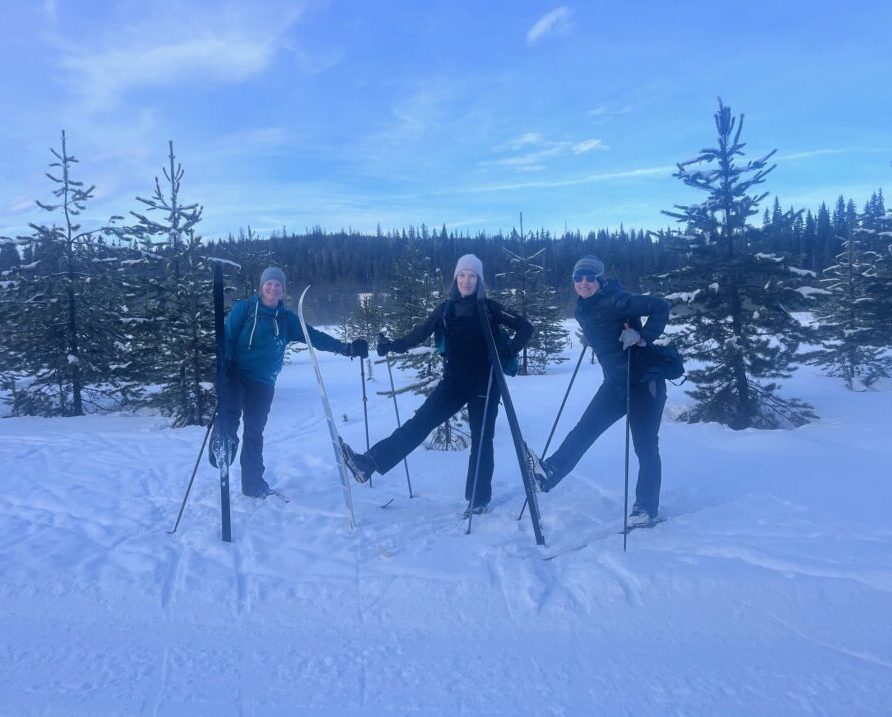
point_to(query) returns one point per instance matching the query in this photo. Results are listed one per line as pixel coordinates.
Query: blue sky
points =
(465, 113)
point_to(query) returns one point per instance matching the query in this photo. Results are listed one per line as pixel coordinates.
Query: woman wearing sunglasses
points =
(611, 321)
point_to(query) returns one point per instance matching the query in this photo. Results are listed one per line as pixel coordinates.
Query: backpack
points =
(666, 362)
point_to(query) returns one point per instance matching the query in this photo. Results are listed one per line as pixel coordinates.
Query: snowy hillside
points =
(768, 590)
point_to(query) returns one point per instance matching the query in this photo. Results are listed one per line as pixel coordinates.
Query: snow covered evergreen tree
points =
(10, 311)
(850, 317)
(179, 303)
(730, 296)
(64, 334)
(876, 230)
(855, 315)
(524, 290)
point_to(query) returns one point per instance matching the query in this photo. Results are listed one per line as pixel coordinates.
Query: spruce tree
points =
(730, 296)
(179, 304)
(64, 335)
(850, 316)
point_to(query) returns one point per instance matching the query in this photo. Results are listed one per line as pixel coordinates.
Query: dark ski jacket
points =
(602, 316)
(256, 337)
(467, 354)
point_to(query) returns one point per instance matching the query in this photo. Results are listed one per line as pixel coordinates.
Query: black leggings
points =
(445, 401)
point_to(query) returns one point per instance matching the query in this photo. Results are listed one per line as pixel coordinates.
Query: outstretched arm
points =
(418, 333)
(320, 339)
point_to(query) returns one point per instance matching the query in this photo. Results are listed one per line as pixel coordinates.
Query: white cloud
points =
(102, 77)
(231, 45)
(588, 146)
(553, 23)
(810, 153)
(19, 204)
(525, 140)
(602, 111)
(536, 148)
(587, 179)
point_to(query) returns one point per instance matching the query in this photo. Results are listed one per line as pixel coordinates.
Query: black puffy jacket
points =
(467, 355)
(602, 316)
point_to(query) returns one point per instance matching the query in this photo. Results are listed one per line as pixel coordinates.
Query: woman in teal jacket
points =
(257, 331)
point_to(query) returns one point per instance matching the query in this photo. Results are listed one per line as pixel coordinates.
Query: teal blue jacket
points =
(256, 337)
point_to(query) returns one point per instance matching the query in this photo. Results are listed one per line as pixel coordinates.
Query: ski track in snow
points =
(765, 592)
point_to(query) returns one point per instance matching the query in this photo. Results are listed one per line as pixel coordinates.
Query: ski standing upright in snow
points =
(220, 447)
(332, 427)
(520, 446)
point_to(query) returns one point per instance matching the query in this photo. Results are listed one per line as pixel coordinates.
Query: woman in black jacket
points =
(465, 381)
(611, 321)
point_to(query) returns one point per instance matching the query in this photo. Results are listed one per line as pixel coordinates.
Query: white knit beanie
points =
(471, 263)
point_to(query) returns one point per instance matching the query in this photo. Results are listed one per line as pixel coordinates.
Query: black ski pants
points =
(607, 407)
(251, 399)
(445, 401)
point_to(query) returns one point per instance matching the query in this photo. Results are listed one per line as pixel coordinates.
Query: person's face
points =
(271, 292)
(467, 282)
(586, 284)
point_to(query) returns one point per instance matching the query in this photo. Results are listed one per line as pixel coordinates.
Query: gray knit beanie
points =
(273, 273)
(472, 263)
(591, 265)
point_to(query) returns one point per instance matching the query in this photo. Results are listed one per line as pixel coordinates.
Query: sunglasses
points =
(580, 275)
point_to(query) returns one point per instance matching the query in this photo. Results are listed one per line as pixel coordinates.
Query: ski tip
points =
(300, 301)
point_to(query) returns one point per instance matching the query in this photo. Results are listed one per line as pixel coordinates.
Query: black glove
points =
(358, 347)
(385, 345)
(223, 443)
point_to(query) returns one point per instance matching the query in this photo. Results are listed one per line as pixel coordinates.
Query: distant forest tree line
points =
(340, 263)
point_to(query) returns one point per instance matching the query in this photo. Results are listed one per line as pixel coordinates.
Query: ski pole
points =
(557, 418)
(365, 407)
(479, 452)
(194, 471)
(397, 409)
(628, 421)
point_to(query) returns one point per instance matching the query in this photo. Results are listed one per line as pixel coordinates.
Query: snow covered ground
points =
(768, 590)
